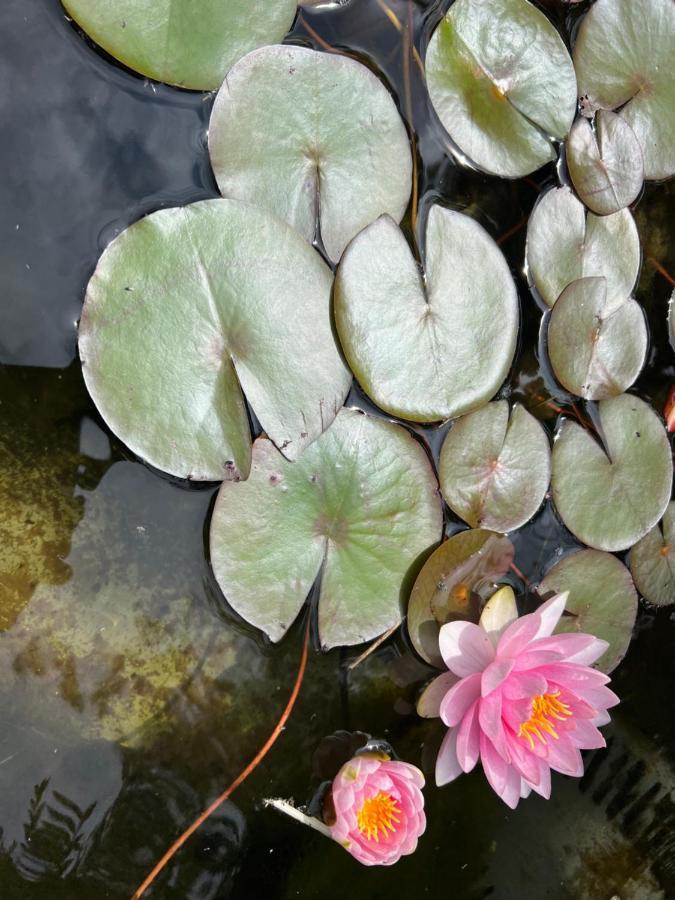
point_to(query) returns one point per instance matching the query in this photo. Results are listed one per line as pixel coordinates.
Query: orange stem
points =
(662, 270)
(238, 780)
(315, 35)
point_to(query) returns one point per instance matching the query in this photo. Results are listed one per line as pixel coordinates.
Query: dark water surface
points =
(130, 695)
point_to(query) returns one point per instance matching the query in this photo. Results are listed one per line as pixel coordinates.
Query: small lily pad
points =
(502, 84)
(314, 138)
(602, 600)
(427, 348)
(191, 45)
(494, 470)
(360, 507)
(610, 495)
(595, 355)
(623, 56)
(565, 244)
(456, 579)
(178, 319)
(605, 165)
(652, 561)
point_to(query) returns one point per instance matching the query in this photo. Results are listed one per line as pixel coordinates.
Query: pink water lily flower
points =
(517, 697)
(379, 808)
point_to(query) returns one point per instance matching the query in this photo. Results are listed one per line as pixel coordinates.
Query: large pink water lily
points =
(379, 809)
(519, 699)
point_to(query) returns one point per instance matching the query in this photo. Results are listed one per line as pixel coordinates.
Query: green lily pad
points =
(605, 165)
(502, 84)
(611, 495)
(595, 355)
(360, 507)
(314, 138)
(494, 470)
(191, 45)
(427, 348)
(652, 561)
(564, 244)
(602, 600)
(453, 584)
(623, 56)
(189, 306)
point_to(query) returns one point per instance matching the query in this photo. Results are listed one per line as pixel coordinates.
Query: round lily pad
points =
(602, 600)
(191, 45)
(313, 137)
(652, 561)
(611, 494)
(623, 56)
(427, 348)
(454, 582)
(605, 164)
(189, 306)
(595, 355)
(360, 507)
(494, 469)
(502, 83)
(565, 244)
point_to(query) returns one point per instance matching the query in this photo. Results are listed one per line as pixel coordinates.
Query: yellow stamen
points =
(544, 708)
(378, 814)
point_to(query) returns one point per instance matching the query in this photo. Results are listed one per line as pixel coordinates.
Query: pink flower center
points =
(378, 815)
(545, 708)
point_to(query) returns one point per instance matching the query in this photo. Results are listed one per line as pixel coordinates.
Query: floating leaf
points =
(623, 56)
(427, 348)
(187, 305)
(605, 165)
(602, 600)
(564, 244)
(360, 506)
(313, 137)
(191, 45)
(652, 561)
(502, 83)
(595, 355)
(494, 470)
(456, 578)
(610, 496)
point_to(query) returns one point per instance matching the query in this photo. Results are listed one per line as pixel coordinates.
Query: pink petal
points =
(517, 636)
(591, 654)
(511, 793)
(524, 762)
(586, 736)
(459, 698)
(534, 659)
(429, 703)
(577, 678)
(564, 757)
(571, 645)
(465, 648)
(468, 739)
(490, 721)
(493, 765)
(549, 614)
(525, 789)
(447, 764)
(524, 686)
(543, 786)
(494, 675)
(602, 718)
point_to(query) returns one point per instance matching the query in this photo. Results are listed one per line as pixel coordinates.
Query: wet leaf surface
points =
(178, 320)
(427, 347)
(652, 561)
(360, 506)
(314, 138)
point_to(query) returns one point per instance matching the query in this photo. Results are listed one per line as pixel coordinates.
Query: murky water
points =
(130, 695)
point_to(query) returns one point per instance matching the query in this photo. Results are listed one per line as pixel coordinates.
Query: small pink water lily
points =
(517, 697)
(379, 808)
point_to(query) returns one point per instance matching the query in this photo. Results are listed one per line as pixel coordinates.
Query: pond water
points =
(130, 695)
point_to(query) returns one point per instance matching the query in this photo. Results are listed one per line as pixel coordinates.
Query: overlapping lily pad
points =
(502, 83)
(605, 165)
(623, 56)
(652, 561)
(359, 507)
(611, 494)
(494, 468)
(189, 306)
(602, 600)
(427, 347)
(191, 45)
(313, 137)
(594, 354)
(565, 244)
(456, 579)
